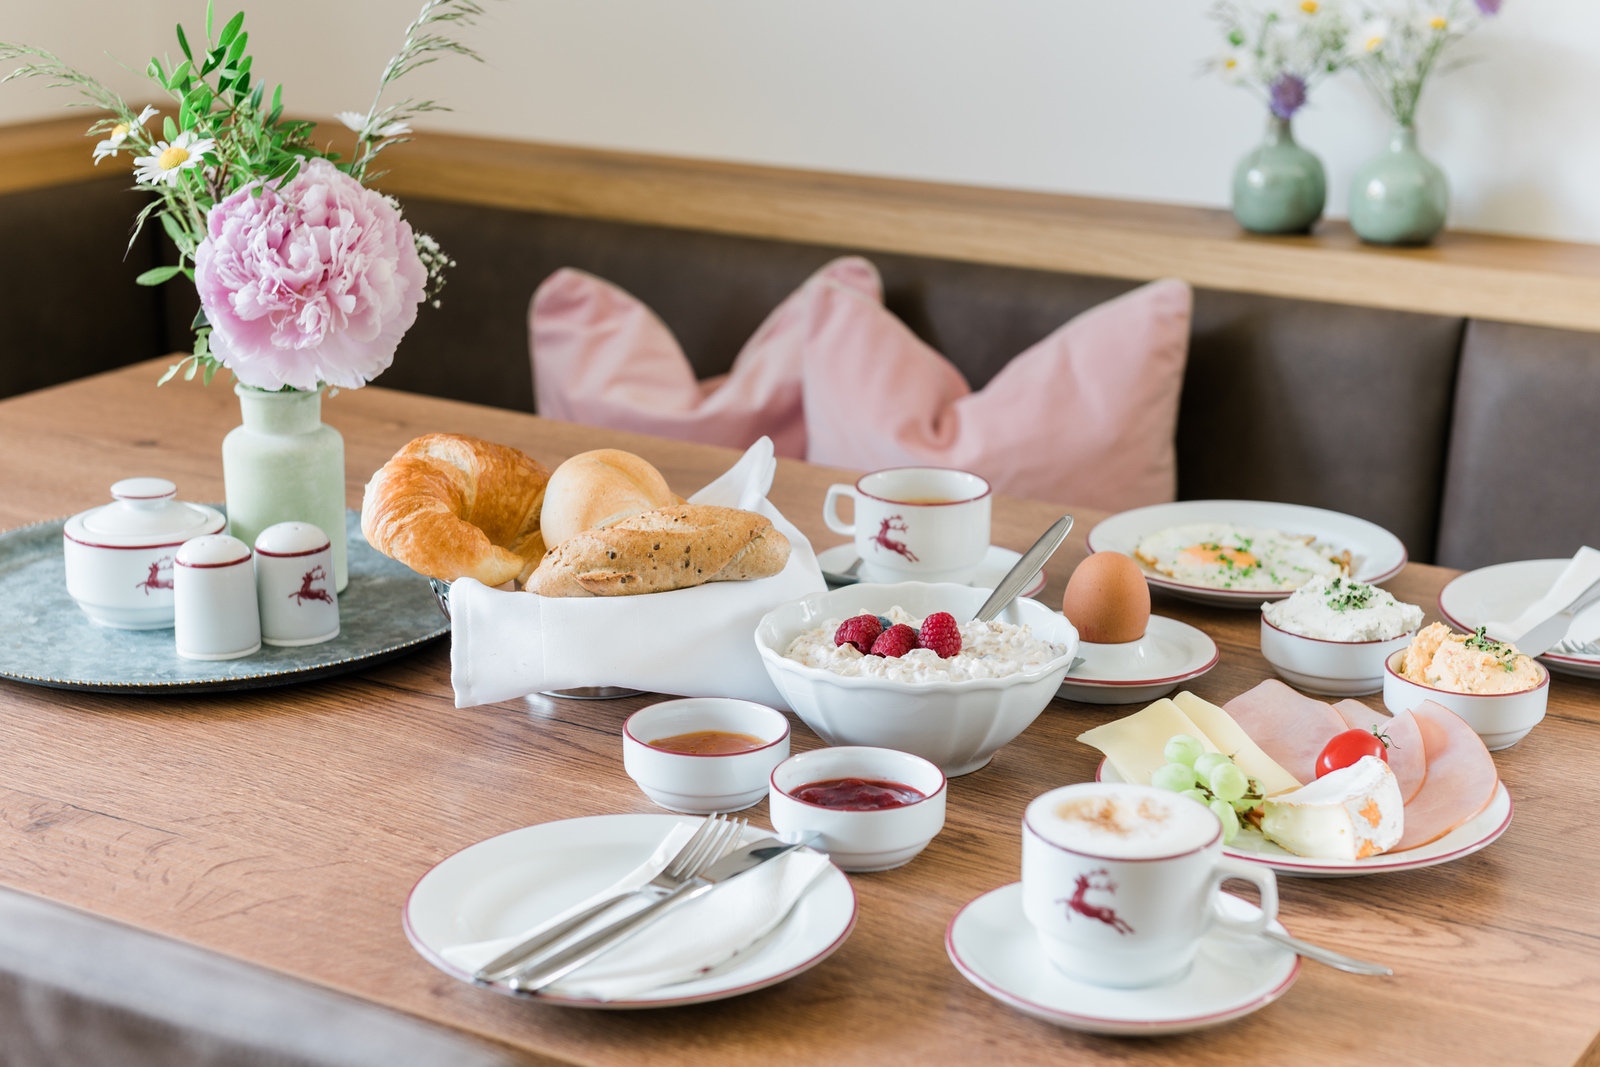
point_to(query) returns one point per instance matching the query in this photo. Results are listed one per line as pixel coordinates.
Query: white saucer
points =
(1476, 833)
(996, 562)
(509, 883)
(993, 945)
(1502, 592)
(1169, 653)
(1376, 554)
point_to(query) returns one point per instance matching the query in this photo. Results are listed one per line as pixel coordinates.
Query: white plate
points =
(1502, 592)
(1376, 554)
(509, 883)
(1476, 833)
(996, 562)
(994, 947)
(1169, 653)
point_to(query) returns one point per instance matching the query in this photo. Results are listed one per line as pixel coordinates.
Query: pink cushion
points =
(603, 358)
(1084, 417)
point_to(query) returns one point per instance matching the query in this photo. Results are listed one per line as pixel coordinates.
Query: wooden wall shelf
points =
(1545, 283)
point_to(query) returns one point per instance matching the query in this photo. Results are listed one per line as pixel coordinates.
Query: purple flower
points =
(314, 282)
(1489, 7)
(1288, 95)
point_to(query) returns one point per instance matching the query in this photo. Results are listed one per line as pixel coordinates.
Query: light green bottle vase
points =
(283, 464)
(1279, 187)
(1400, 198)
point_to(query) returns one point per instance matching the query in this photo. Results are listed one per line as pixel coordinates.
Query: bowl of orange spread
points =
(1500, 692)
(704, 754)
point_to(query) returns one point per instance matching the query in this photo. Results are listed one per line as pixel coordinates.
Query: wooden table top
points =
(285, 827)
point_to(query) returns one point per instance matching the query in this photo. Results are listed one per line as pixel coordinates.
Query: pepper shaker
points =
(214, 599)
(294, 584)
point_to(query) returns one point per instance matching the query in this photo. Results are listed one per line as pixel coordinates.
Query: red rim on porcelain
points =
(992, 944)
(1377, 554)
(1476, 833)
(508, 883)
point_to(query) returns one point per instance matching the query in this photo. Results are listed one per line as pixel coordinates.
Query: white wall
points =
(1100, 98)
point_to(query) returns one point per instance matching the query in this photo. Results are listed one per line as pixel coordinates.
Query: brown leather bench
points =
(1471, 440)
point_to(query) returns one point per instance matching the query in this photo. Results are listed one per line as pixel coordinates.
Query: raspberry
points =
(897, 640)
(941, 635)
(860, 631)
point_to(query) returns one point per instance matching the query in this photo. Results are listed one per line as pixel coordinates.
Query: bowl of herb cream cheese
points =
(1332, 636)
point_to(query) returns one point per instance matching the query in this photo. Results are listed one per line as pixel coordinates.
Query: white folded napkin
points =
(689, 642)
(688, 942)
(1582, 572)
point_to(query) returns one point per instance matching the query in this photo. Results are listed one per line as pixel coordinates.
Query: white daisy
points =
(119, 133)
(1370, 37)
(358, 122)
(1234, 65)
(394, 129)
(166, 161)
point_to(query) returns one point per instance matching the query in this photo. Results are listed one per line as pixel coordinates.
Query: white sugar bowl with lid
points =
(294, 584)
(119, 556)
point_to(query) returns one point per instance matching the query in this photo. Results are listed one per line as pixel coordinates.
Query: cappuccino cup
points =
(920, 524)
(1120, 882)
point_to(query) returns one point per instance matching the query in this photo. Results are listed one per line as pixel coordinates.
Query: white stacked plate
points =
(1503, 591)
(1376, 554)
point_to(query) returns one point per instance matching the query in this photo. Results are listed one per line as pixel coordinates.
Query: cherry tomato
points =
(1348, 747)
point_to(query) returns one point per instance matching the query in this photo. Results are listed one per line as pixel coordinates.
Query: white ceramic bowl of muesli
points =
(956, 712)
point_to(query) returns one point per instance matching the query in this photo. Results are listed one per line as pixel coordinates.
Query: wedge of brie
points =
(1347, 814)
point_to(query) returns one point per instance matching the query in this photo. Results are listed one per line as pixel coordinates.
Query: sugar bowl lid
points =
(145, 514)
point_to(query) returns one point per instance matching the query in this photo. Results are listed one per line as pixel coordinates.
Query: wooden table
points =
(285, 827)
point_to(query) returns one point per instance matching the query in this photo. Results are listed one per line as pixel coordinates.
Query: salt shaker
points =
(294, 584)
(214, 599)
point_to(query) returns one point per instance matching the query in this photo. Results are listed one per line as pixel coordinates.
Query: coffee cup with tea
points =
(1121, 882)
(924, 524)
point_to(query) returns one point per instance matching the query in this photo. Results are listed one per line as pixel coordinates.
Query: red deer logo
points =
(893, 524)
(305, 592)
(160, 576)
(1081, 886)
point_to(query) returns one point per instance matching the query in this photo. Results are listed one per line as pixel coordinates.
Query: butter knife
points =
(550, 967)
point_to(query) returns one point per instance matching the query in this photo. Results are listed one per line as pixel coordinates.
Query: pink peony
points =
(316, 282)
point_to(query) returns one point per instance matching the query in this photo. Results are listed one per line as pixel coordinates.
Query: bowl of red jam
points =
(704, 754)
(875, 808)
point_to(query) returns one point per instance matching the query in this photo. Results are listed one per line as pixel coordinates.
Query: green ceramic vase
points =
(1280, 187)
(1400, 198)
(284, 464)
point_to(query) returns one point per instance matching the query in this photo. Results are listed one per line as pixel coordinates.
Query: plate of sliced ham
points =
(1454, 802)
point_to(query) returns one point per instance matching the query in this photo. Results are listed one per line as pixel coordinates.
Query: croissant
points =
(450, 506)
(668, 548)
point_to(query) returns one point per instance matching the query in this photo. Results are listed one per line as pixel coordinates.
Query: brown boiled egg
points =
(1107, 599)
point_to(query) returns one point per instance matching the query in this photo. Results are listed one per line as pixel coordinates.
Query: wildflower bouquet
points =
(306, 277)
(1398, 46)
(1280, 54)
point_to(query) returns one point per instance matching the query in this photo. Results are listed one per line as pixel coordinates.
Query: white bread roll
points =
(599, 488)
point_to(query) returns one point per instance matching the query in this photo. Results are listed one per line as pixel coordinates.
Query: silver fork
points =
(1575, 648)
(705, 847)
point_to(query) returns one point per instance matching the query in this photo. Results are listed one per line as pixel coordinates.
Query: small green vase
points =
(1280, 187)
(1400, 198)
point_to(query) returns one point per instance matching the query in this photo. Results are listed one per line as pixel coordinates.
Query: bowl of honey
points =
(704, 754)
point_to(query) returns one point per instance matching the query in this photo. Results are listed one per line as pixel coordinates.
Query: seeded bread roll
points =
(663, 549)
(600, 488)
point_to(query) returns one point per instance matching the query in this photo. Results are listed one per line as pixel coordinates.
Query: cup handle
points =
(830, 509)
(1265, 880)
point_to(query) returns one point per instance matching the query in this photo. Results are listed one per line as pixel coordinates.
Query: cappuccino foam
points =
(1120, 821)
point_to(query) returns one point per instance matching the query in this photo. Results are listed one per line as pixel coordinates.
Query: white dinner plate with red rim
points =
(1476, 833)
(996, 563)
(993, 945)
(1502, 592)
(1376, 554)
(510, 883)
(1169, 654)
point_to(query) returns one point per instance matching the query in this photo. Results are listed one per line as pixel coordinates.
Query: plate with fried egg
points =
(1239, 553)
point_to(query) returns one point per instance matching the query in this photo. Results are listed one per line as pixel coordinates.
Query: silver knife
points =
(552, 966)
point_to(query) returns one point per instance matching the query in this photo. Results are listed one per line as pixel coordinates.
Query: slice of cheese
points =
(1136, 745)
(1347, 814)
(1230, 738)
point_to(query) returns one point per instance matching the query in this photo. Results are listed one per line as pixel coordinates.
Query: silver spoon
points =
(1026, 570)
(1337, 960)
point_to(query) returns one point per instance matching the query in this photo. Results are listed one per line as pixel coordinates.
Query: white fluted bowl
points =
(956, 726)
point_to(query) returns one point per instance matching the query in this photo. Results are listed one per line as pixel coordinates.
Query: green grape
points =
(1174, 776)
(1230, 821)
(1183, 749)
(1228, 782)
(1196, 795)
(1209, 762)
(1244, 804)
